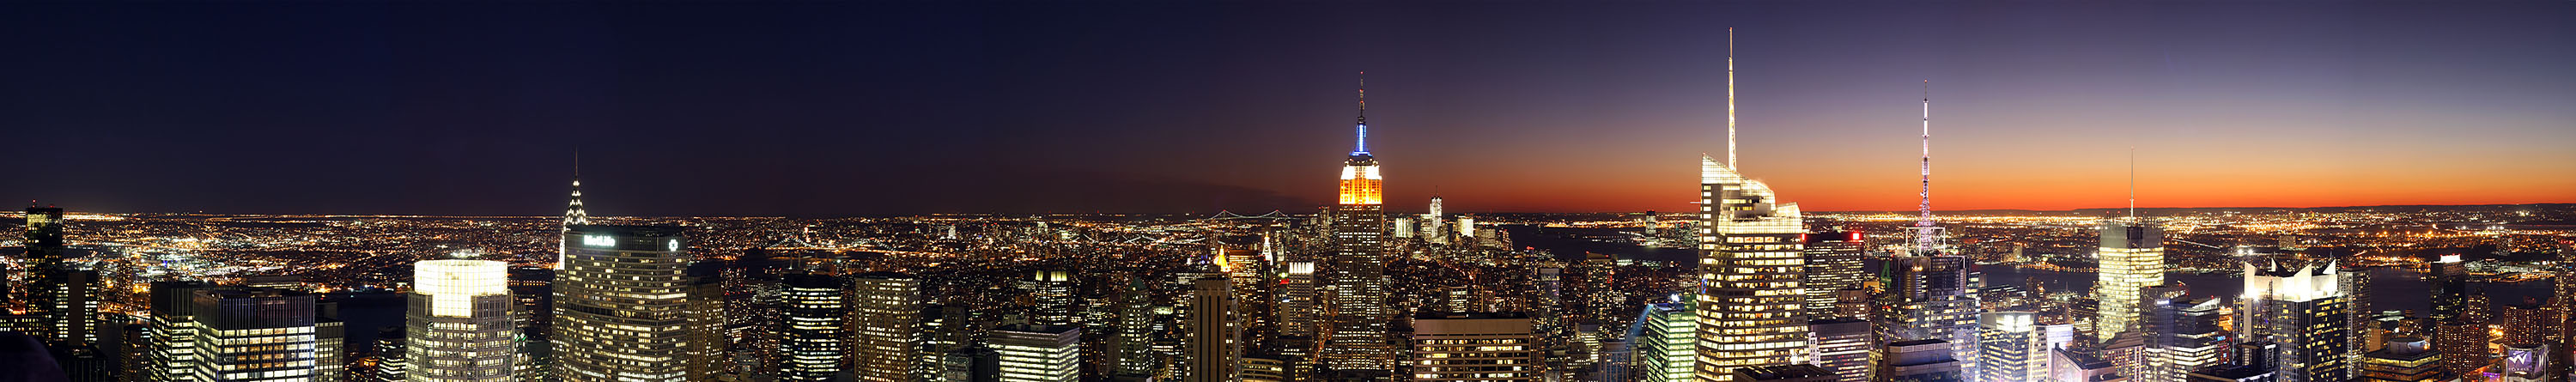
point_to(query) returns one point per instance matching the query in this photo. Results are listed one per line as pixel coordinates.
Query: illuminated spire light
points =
(1363, 144)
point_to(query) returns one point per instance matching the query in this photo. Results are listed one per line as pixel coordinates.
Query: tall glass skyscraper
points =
(1926, 297)
(620, 305)
(885, 308)
(64, 295)
(459, 325)
(1834, 265)
(1750, 305)
(253, 334)
(1355, 282)
(2014, 349)
(1038, 353)
(2302, 310)
(2132, 258)
(1665, 343)
(815, 318)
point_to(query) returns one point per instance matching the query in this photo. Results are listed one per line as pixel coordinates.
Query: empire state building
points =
(1355, 279)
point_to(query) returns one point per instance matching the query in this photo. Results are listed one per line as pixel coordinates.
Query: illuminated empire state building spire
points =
(1355, 282)
(1749, 303)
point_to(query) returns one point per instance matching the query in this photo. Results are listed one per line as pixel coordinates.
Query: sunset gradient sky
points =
(813, 109)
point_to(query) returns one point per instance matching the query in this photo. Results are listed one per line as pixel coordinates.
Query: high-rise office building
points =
(814, 320)
(885, 308)
(64, 295)
(458, 322)
(1664, 343)
(1297, 300)
(1918, 361)
(1214, 342)
(2186, 336)
(2247, 362)
(2301, 310)
(2066, 365)
(2528, 322)
(1926, 298)
(330, 346)
(1138, 326)
(1842, 345)
(1497, 347)
(2404, 359)
(622, 306)
(1432, 222)
(2132, 258)
(390, 353)
(2014, 349)
(172, 355)
(534, 289)
(1833, 266)
(1052, 298)
(1356, 290)
(1750, 305)
(1038, 353)
(253, 334)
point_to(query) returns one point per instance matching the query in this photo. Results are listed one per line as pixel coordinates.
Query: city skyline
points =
(429, 118)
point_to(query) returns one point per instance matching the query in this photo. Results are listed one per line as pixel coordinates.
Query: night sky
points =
(832, 109)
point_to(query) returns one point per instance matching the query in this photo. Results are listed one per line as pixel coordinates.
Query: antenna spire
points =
(1363, 141)
(1730, 98)
(1927, 156)
(1927, 237)
(2133, 183)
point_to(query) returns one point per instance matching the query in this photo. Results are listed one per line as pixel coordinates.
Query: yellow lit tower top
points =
(1361, 183)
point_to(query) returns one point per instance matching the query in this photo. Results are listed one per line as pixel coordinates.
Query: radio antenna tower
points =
(1927, 237)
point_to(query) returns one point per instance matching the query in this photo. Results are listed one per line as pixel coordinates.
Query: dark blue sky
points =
(723, 108)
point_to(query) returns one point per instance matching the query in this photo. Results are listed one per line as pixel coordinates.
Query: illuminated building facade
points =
(2186, 336)
(2132, 258)
(884, 309)
(1215, 344)
(2404, 359)
(814, 312)
(253, 334)
(1926, 298)
(1038, 353)
(1297, 300)
(1842, 345)
(2302, 311)
(1665, 343)
(1918, 361)
(2065, 365)
(1496, 347)
(458, 322)
(1355, 290)
(1750, 306)
(622, 306)
(2013, 347)
(1054, 301)
(64, 295)
(390, 365)
(1833, 267)
(173, 352)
